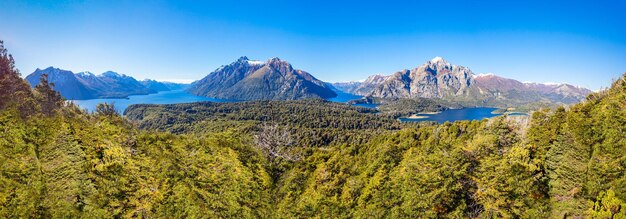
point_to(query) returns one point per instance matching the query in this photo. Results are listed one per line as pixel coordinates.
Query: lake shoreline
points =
(451, 115)
(181, 96)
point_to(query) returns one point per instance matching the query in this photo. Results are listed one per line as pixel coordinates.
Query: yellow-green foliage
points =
(73, 164)
(97, 166)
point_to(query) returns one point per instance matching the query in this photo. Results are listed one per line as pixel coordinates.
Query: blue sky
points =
(579, 42)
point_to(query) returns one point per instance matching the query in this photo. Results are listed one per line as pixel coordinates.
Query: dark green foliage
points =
(48, 99)
(313, 122)
(582, 150)
(404, 107)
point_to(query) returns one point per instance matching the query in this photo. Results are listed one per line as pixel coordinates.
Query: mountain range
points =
(437, 78)
(86, 85)
(276, 79)
(247, 79)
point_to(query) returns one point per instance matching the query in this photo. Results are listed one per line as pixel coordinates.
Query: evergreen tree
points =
(47, 97)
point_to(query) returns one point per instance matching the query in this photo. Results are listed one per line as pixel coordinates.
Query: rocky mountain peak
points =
(279, 64)
(275, 60)
(111, 74)
(439, 59)
(85, 74)
(50, 68)
(485, 75)
(256, 80)
(438, 63)
(53, 72)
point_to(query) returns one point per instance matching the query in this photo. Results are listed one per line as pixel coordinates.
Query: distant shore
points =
(422, 115)
(416, 116)
(429, 113)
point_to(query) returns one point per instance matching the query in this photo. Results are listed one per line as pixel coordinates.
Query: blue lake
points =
(164, 97)
(180, 96)
(343, 97)
(452, 115)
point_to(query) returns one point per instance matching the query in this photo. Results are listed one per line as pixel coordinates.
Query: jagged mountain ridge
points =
(498, 87)
(435, 79)
(276, 79)
(439, 79)
(247, 79)
(86, 85)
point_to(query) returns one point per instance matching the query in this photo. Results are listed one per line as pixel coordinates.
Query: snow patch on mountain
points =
(437, 59)
(111, 74)
(255, 62)
(484, 75)
(85, 74)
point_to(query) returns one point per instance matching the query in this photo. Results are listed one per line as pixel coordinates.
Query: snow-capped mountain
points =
(247, 79)
(437, 78)
(86, 85)
(65, 82)
(276, 79)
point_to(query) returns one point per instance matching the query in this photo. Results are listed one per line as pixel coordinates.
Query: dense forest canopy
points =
(307, 158)
(314, 122)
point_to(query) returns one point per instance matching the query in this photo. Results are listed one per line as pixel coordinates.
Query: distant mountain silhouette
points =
(86, 85)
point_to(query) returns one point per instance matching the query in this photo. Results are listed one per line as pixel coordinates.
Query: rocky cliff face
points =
(275, 79)
(438, 78)
(435, 79)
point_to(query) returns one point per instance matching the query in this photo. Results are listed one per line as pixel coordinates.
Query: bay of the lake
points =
(452, 115)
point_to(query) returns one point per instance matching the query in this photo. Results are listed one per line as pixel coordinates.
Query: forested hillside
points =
(313, 122)
(253, 160)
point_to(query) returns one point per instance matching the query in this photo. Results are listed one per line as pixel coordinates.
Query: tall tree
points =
(48, 98)
(14, 91)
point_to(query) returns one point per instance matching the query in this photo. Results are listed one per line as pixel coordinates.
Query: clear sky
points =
(579, 42)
